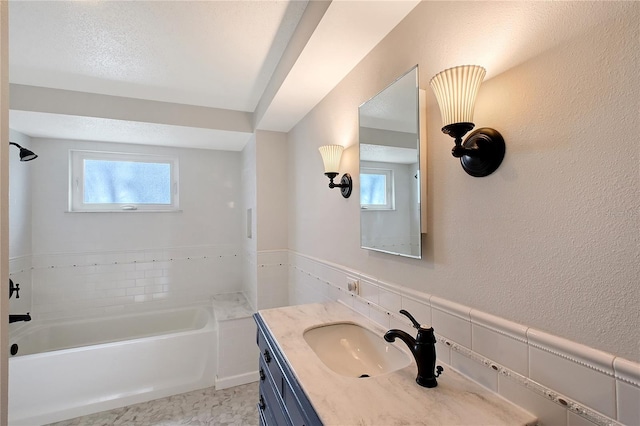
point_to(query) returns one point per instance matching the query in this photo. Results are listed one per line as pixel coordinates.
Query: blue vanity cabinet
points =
(282, 400)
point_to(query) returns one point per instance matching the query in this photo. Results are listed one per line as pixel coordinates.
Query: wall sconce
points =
(456, 88)
(25, 154)
(331, 155)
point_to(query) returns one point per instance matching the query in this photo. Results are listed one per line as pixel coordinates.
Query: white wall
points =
(209, 200)
(249, 202)
(273, 186)
(551, 239)
(266, 185)
(88, 263)
(273, 183)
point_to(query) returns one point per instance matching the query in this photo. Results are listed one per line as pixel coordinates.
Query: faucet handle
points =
(14, 288)
(416, 324)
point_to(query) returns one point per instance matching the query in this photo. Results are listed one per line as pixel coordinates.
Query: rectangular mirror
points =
(390, 190)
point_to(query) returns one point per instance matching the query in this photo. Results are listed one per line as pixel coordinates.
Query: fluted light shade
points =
(331, 155)
(456, 89)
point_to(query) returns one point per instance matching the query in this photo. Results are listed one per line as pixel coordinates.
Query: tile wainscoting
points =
(20, 273)
(88, 284)
(560, 381)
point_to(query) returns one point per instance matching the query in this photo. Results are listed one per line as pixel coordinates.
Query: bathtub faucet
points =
(21, 317)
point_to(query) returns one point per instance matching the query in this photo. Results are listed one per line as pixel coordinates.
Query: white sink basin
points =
(354, 351)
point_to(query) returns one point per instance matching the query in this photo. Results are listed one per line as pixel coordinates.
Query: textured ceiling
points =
(210, 53)
(259, 57)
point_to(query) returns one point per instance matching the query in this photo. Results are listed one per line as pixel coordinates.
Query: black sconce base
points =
(345, 185)
(485, 150)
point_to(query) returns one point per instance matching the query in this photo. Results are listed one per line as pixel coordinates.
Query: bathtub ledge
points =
(231, 306)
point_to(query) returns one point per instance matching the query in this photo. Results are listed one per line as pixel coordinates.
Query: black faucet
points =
(21, 317)
(423, 348)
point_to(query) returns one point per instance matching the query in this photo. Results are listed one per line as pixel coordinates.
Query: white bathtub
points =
(68, 369)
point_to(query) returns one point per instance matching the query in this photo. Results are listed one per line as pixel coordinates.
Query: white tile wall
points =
(582, 383)
(380, 316)
(628, 403)
(506, 350)
(369, 291)
(627, 391)
(78, 285)
(563, 383)
(250, 276)
(487, 377)
(588, 378)
(576, 420)
(420, 310)
(361, 305)
(443, 352)
(390, 300)
(20, 273)
(451, 320)
(548, 412)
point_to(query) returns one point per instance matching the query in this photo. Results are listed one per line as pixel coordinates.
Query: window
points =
(109, 181)
(376, 189)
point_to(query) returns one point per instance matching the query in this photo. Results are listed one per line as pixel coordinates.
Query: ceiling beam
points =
(308, 23)
(68, 102)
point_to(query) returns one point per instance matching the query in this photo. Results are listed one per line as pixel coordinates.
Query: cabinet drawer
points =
(271, 406)
(265, 417)
(289, 405)
(293, 406)
(268, 360)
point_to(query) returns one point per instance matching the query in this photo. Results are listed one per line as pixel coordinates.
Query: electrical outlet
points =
(353, 285)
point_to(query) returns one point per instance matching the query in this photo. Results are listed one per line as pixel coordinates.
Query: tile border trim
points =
(627, 371)
(501, 326)
(551, 395)
(586, 356)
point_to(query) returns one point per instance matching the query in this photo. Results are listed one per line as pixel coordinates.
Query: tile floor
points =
(233, 406)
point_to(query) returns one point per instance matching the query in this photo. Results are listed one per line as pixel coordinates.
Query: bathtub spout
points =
(16, 318)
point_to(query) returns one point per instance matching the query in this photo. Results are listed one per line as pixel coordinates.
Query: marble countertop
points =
(389, 399)
(230, 306)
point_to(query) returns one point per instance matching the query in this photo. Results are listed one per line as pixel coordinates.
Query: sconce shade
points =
(456, 89)
(331, 155)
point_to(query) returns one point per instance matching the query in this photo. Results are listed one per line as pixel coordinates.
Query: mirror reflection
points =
(390, 169)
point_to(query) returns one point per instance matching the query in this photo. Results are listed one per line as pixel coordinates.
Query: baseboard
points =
(237, 380)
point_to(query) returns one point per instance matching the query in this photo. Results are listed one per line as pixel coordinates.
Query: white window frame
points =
(390, 189)
(76, 182)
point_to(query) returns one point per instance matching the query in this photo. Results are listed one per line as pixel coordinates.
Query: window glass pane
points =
(126, 182)
(373, 189)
